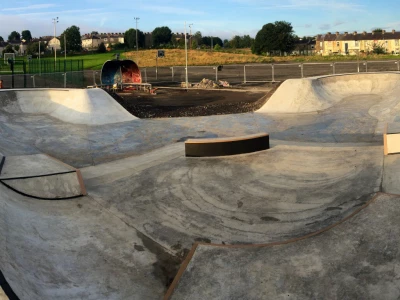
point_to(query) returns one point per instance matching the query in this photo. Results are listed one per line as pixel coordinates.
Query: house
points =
(304, 47)
(355, 43)
(92, 41)
(54, 44)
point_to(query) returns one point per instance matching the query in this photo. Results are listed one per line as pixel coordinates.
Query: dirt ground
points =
(170, 102)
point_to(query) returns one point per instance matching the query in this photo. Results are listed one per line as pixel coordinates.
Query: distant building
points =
(54, 44)
(92, 41)
(304, 47)
(354, 43)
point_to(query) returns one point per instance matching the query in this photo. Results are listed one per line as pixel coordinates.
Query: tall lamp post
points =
(55, 21)
(187, 81)
(190, 36)
(137, 42)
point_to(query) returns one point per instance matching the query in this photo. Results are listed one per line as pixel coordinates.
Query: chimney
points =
(355, 32)
(329, 32)
(337, 33)
(345, 33)
(383, 31)
(393, 31)
(364, 32)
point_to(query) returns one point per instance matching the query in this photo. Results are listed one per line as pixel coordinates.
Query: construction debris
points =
(207, 84)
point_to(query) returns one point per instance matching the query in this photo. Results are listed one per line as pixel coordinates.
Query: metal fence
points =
(234, 74)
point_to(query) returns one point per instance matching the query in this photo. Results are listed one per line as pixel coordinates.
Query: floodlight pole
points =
(190, 38)
(40, 66)
(137, 42)
(65, 47)
(55, 21)
(186, 54)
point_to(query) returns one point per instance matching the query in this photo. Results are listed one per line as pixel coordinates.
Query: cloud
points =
(337, 23)
(312, 4)
(324, 26)
(29, 7)
(170, 10)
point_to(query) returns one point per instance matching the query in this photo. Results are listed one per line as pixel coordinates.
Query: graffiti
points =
(120, 71)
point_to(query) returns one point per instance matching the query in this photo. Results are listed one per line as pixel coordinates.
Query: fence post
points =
(216, 74)
(145, 75)
(398, 66)
(244, 74)
(302, 72)
(65, 80)
(172, 69)
(33, 81)
(333, 68)
(273, 72)
(24, 69)
(94, 78)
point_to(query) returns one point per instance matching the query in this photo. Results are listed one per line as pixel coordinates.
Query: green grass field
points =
(175, 57)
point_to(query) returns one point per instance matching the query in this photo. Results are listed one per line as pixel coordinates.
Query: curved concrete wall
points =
(78, 106)
(315, 94)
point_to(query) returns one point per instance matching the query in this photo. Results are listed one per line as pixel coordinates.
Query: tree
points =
(130, 38)
(33, 48)
(16, 47)
(273, 37)
(14, 36)
(161, 36)
(73, 39)
(1, 39)
(226, 44)
(26, 35)
(102, 48)
(246, 42)
(206, 40)
(377, 30)
(8, 49)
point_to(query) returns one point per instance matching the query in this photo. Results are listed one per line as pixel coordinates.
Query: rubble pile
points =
(207, 84)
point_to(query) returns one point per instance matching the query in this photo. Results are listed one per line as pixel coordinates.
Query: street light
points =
(137, 42)
(190, 38)
(186, 54)
(55, 21)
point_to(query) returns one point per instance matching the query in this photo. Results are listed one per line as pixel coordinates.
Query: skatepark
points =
(96, 203)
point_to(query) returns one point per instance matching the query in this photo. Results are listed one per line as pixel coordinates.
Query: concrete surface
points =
(77, 106)
(276, 194)
(41, 176)
(320, 93)
(147, 204)
(32, 165)
(391, 174)
(357, 259)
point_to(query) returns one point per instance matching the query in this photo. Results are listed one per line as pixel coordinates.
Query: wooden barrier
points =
(226, 146)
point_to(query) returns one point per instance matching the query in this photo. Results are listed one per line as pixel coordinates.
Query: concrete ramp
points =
(77, 106)
(41, 177)
(320, 93)
(353, 259)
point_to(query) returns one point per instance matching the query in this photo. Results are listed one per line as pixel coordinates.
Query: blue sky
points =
(222, 18)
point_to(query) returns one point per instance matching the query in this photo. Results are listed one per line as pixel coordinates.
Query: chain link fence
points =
(234, 74)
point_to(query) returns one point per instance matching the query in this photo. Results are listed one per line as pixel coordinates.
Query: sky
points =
(222, 18)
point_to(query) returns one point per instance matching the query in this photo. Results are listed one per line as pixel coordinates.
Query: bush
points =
(101, 48)
(217, 47)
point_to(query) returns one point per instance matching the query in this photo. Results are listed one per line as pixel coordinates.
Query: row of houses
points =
(92, 41)
(355, 43)
(47, 42)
